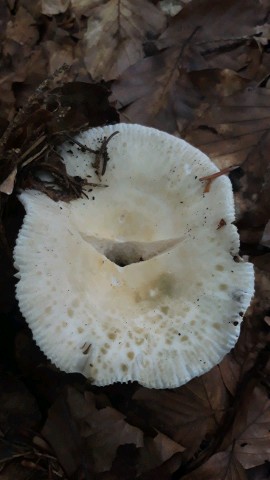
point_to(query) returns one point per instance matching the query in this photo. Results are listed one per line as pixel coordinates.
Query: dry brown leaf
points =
(221, 466)
(77, 431)
(265, 240)
(59, 54)
(224, 34)
(250, 432)
(187, 414)
(157, 92)
(228, 128)
(172, 7)
(83, 7)
(235, 130)
(115, 34)
(230, 371)
(54, 7)
(249, 353)
(8, 184)
(22, 29)
(156, 451)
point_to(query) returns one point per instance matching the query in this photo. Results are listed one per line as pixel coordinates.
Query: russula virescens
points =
(140, 281)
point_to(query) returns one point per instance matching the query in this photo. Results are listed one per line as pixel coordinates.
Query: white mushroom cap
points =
(162, 320)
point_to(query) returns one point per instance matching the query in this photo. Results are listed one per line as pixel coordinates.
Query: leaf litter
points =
(199, 71)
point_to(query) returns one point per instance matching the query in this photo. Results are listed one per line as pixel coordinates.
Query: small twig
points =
(102, 157)
(209, 178)
(84, 148)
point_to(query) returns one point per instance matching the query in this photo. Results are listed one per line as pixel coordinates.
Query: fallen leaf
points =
(59, 54)
(81, 435)
(219, 27)
(156, 451)
(171, 7)
(191, 414)
(249, 354)
(22, 28)
(235, 130)
(250, 432)
(54, 7)
(221, 466)
(265, 240)
(8, 184)
(230, 371)
(115, 34)
(157, 92)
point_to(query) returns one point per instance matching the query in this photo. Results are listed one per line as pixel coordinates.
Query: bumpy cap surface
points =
(138, 282)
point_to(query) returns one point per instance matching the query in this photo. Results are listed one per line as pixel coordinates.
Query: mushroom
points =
(142, 280)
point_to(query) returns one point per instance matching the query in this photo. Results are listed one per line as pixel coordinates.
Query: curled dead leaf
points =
(7, 185)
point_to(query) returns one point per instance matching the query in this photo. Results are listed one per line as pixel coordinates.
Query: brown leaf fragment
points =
(224, 27)
(54, 7)
(8, 184)
(235, 130)
(250, 432)
(265, 240)
(115, 34)
(22, 28)
(157, 92)
(156, 451)
(221, 466)
(171, 7)
(187, 414)
(230, 371)
(221, 223)
(83, 437)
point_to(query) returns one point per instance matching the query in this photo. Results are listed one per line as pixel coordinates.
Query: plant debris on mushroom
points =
(138, 282)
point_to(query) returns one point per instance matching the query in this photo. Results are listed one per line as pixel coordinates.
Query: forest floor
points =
(200, 72)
